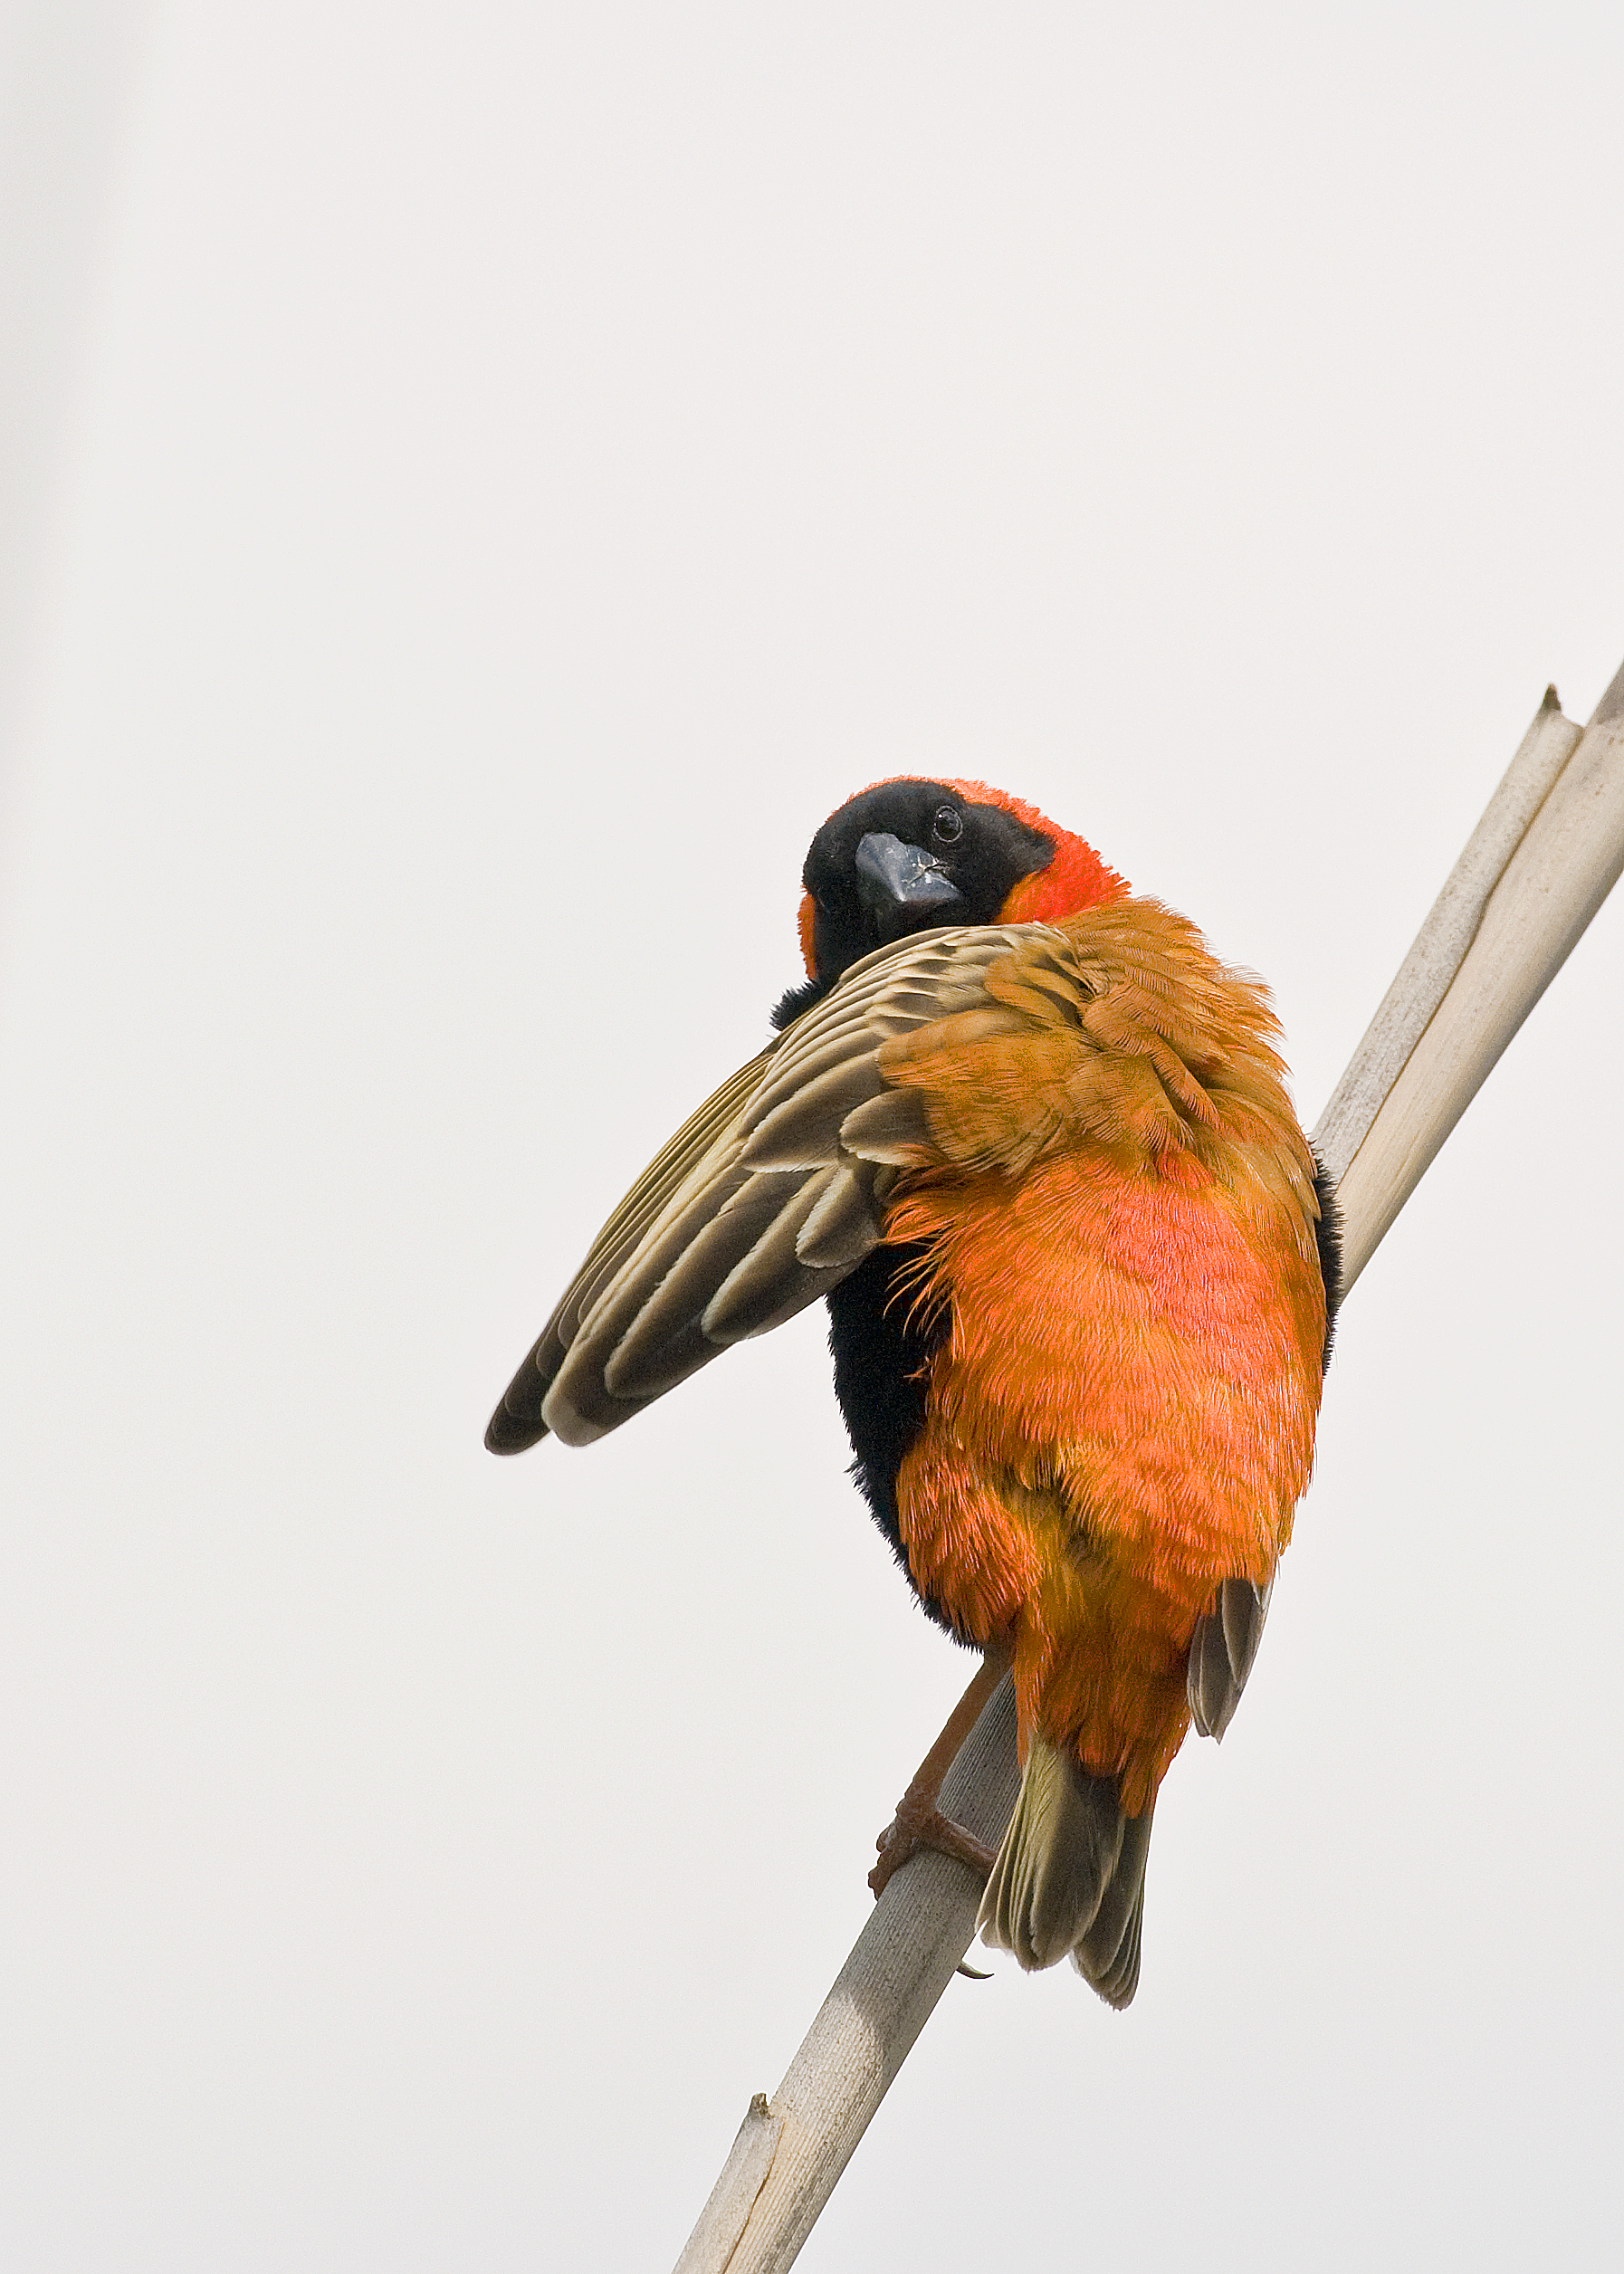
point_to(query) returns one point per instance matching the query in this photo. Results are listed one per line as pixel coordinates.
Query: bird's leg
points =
(918, 1821)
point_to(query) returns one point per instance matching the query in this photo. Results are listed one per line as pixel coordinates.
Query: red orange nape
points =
(1075, 878)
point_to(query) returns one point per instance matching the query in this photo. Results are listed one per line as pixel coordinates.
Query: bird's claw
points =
(920, 1823)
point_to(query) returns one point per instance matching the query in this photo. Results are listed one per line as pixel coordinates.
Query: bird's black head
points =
(903, 857)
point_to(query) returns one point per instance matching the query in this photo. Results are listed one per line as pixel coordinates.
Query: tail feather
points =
(1107, 1957)
(1069, 1877)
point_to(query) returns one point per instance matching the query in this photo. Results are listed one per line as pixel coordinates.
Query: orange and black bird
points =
(1031, 1142)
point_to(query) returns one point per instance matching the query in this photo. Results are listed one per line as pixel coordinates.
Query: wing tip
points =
(511, 1432)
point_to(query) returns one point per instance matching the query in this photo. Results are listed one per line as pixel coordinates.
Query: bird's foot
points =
(920, 1823)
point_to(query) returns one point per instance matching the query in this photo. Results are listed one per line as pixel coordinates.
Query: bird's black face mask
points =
(906, 856)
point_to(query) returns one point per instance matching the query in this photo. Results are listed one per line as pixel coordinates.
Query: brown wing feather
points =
(517, 1422)
(1221, 1653)
(768, 1195)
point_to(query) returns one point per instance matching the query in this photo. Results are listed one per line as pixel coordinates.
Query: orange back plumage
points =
(1121, 1222)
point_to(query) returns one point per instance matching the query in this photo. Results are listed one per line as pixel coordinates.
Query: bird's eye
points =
(947, 825)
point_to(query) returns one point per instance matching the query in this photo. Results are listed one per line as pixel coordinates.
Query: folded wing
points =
(1221, 1653)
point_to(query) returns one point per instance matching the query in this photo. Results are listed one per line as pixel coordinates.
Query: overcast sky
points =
(484, 481)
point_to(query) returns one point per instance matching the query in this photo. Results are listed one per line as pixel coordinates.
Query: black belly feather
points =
(1328, 1240)
(883, 1347)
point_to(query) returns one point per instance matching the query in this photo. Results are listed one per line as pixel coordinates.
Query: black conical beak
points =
(892, 874)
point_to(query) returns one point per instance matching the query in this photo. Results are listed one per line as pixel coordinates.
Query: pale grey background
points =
(482, 482)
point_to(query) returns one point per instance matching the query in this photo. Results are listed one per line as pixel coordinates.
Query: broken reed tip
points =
(1611, 705)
